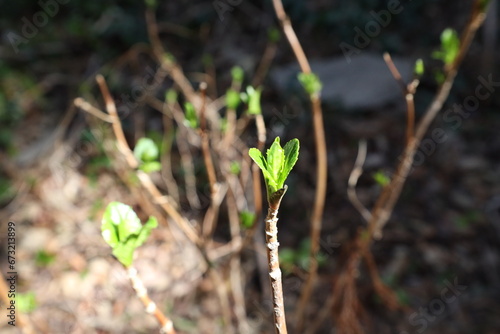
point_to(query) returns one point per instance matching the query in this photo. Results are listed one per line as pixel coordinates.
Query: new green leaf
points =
(311, 82)
(254, 100)
(151, 166)
(232, 99)
(275, 160)
(123, 232)
(419, 67)
(190, 115)
(450, 46)
(247, 219)
(237, 74)
(257, 157)
(146, 150)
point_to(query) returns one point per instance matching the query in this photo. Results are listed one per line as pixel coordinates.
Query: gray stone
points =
(364, 83)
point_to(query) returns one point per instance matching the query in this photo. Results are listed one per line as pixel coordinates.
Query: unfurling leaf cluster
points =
(147, 152)
(450, 46)
(277, 164)
(123, 232)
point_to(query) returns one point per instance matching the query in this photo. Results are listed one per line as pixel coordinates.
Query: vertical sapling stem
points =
(275, 168)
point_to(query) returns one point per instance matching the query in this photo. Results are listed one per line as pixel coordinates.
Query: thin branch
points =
(408, 92)
(256, 182)
(395, 72)
(167, 63)
(236, 279)
(265, 63)
(290, 35)
(166, 158)
(167, 327)
(356, 172)
(205, 144)
(84, 105)
(117, 127)
(216, 196)
(186, 157)
(317, 214)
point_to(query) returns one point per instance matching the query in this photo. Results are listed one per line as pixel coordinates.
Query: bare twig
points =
(167, 63)
(216, 195)
(356, 172)
(257, 191)
(186, 158)
(167, 327)
(81, 103)
(265, 63)
(117, 127)
(321, 166)
(205, 145)
(166, 158)
(409, 93)
(236, 279)
(290, 35)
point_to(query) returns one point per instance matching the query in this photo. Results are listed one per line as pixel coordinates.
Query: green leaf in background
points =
(311, 82)
(237, 74)
(247, 219)
(26, 302)
(419, 67)
(483, 5)
(171, 96)
(450, 46)
(190, 115)
(207, 60)
(146, 150)
(6, 189)
(235, 167)
(151, 166)
(123, 231)
(223, 124)
(381, 178)
(287, 259)
(273, 35)
(151, 3)
(232, 99)
(254, 100)
(43, 258)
